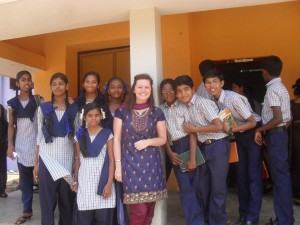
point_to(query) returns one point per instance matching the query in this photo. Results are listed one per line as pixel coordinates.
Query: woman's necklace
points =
(141, 113)
(140, 119)
(60, 105)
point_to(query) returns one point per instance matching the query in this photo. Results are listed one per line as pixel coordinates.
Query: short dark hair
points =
(213, 73)
(296, 87)
(184, 80)
(167, 81)
(206, 65)
(273, 65)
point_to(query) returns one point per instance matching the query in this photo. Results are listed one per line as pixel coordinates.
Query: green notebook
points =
(184, 157)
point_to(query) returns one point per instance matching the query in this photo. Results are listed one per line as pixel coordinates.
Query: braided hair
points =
(100, 100)
(49, 123)
(125, 87)
(80, 134)
(32, 104)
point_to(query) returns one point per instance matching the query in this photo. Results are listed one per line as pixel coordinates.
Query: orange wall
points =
(61, 52)
(187, 39)
(175, 45)
(248, 32)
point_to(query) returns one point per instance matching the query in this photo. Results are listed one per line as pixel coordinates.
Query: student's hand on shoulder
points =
(174, 159)
(189, 128)
(107, 191)
(191, 165)
(258, 138)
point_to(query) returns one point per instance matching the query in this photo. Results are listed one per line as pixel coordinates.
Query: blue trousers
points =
(187, 182)
(249, 175)
(94, 217)
(26, 186)
(52, 192)
(277, 148)
(213, 175)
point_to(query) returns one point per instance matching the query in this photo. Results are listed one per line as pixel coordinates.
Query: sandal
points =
(3, 195)
(22, 219)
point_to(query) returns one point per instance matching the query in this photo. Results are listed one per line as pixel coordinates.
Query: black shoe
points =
(3, 195)
(296, 201)
(250, 223)
(240, 222)
(272, 222)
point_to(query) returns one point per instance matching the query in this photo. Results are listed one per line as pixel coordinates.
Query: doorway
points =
(109, 62)
(247, 70)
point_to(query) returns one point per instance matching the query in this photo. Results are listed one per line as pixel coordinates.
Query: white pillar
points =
(145, 45)
(146, 57)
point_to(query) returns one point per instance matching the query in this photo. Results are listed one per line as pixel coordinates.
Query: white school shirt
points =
(58, 155)
(239, 106)
(277, 95)
(202, 112)
(88, 180)
(176, 115)
(26, 134)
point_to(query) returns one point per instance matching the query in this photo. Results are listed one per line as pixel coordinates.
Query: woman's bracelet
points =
(118, 160)
(149, 142)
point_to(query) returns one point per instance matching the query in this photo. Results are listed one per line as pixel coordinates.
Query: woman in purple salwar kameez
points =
(139, 130)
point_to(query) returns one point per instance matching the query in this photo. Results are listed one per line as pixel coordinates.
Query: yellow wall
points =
(61, 50)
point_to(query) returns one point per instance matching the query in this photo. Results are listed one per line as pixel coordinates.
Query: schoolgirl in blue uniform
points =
(94, 171)
(90, 91)
(23, 125)
(55, 152)
(115, 92)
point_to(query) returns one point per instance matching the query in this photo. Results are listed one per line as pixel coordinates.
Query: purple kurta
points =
(142, 171)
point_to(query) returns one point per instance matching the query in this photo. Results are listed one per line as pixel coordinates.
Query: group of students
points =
(93, 154)
(203, 191)
(60, 151)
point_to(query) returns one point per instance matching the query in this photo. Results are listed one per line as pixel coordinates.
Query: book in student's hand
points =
(185, 156)
(226, 116)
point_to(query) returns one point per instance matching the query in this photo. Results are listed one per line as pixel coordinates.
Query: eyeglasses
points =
(168, 91)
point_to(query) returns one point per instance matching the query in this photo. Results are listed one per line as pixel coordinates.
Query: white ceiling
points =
(21, 18)
(10, 68)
